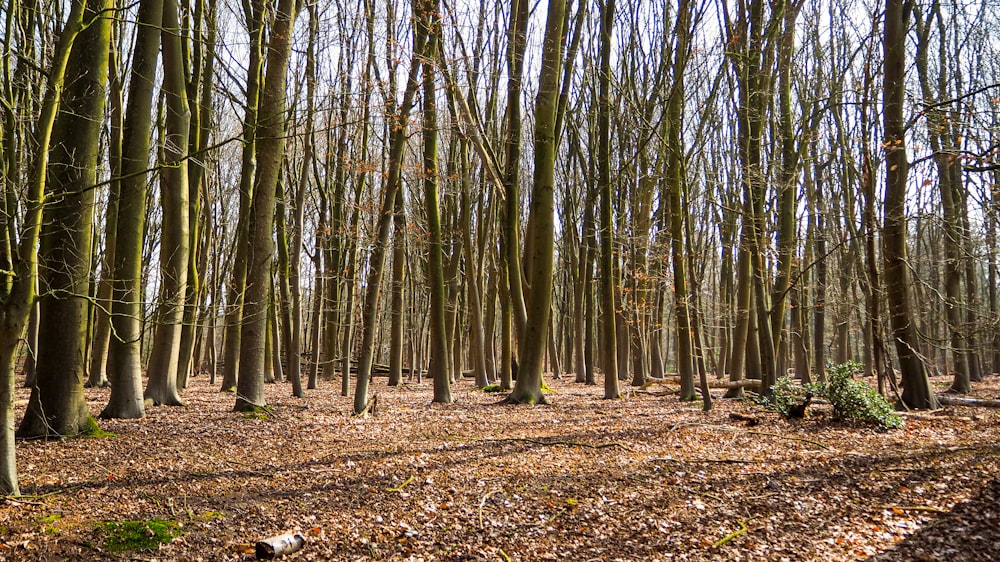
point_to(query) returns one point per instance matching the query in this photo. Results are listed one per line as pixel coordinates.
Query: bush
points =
(856, 400)
(851, 400)
(784, 395)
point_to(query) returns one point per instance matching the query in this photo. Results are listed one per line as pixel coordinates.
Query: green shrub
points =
(856, 400)
(784, 395)
(851, 400)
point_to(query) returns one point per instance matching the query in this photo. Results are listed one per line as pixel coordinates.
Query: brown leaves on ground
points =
(642, 478)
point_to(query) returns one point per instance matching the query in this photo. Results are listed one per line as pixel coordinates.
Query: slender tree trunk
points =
(198, 217)
(125, 353)
(235, 295)
(369, 327)
(396, 292)
(787, 194)
(675, 180)
(164, 361)
(102, 328)
(439, 349)
(476, 313)
(270, 151)
(609, 344)
(517, 42)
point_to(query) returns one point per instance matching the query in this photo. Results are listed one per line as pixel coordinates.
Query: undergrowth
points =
(852, 400)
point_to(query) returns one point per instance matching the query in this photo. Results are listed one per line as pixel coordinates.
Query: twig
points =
(482, 502)
(553, 518)
(564, 443)
(370, 407)
(400, 487)
(743, 529)
(720, 461)
(916, 508)
(16, 500)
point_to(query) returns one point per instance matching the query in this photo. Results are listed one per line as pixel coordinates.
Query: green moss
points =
(258, 413)
(91, 429)
(209, 516)
(48, 523)
(137, 536)
(492, 388)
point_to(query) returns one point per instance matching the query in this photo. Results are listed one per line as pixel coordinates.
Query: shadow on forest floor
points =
(969, 531)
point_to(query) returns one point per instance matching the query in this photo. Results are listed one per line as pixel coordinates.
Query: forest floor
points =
(643, 478)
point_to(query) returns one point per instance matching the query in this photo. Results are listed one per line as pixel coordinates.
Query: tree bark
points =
(917, 391)
(17, 293)
(609, 344)
(528, 388)
(439, 349)
(235, 294)
(164, 361)
(393, 180)
(270, 151)
(125, 353)
(57, 406)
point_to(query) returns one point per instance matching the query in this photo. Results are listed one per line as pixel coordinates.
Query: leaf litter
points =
(642, 478)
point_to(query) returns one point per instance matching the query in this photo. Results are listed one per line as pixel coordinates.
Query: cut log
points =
(271, 548)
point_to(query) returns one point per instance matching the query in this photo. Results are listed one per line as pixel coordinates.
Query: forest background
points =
(301, 191)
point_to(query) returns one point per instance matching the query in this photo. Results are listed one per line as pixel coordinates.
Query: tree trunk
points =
(510, 241)
(439, 348)
(235, 295)
(270, 151)
(393, 180)
(17, 294)
(609, 344)
(528, 388)
(675, 180)
(164, 360)
(125, 353)
(917, 391)
(102, 328)
(57, 406)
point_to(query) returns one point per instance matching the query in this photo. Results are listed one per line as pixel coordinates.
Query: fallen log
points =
(949, 400)
(745, 383)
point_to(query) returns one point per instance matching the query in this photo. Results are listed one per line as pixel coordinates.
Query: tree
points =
(125, 353)
(541, 218)
(57, 406)
(609, 351)
(678, 217)
(253, 13)
(270, 151)
(917, 391)
(439, 357)
(393, 179)
(17, 292)
(165, 361)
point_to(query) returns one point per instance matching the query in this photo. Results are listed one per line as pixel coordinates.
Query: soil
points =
(646, 477)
